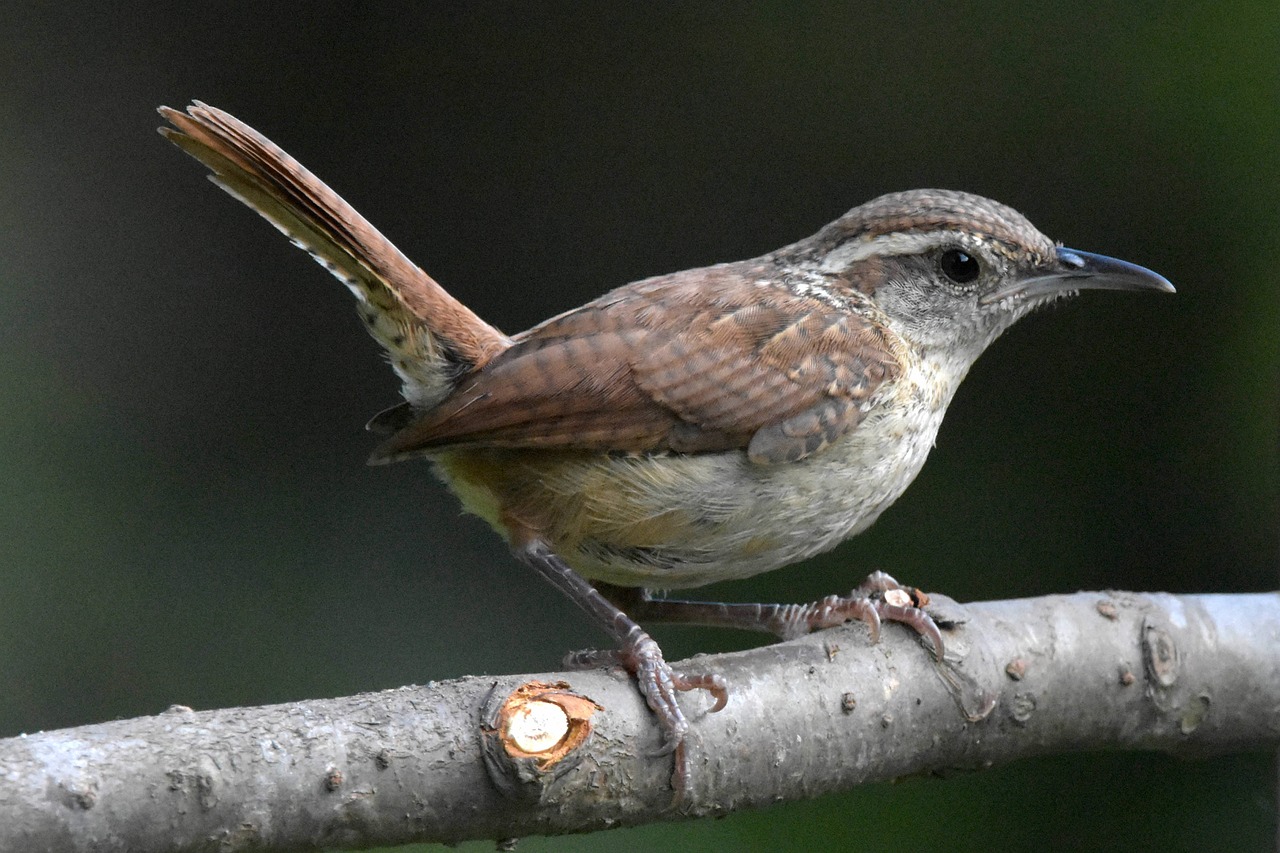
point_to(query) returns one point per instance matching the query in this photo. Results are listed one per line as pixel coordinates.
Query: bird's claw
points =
(659, 683)
(877, 599)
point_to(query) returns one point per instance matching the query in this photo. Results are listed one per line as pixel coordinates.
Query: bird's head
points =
(953, 270)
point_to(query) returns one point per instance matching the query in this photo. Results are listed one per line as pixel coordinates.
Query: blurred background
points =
(185, 513)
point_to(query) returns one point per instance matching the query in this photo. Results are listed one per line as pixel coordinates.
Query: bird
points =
(700, 426)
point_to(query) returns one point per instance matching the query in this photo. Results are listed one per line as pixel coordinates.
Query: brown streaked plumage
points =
(700, 426)
(724, 359)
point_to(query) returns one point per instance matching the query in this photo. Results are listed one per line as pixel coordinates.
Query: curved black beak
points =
(1073, 269)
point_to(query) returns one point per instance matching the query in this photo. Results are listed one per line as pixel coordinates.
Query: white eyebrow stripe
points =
(885, 245)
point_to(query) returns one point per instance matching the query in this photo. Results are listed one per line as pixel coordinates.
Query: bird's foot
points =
(877, 599)
(658, 683)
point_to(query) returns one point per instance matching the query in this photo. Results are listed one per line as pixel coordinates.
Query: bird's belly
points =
(671, 521)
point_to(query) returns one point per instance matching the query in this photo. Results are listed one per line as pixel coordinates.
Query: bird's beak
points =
(1075, 270)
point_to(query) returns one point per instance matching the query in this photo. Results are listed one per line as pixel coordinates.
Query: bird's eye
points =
(959, 266)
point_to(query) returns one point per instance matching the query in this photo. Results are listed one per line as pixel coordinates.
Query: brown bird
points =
(695, 427)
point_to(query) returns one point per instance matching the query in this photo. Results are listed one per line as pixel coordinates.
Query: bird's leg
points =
(637, 652)
(877, 599)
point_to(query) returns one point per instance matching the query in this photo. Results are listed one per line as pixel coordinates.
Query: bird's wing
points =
(705, 360)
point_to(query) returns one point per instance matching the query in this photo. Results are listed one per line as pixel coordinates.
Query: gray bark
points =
(1193, 674)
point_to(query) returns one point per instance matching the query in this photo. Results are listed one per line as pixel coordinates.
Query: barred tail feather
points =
(431, 337)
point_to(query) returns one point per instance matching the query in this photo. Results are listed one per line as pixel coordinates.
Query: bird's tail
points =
(430, 337)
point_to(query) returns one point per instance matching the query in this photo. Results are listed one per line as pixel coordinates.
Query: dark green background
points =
(184, 511)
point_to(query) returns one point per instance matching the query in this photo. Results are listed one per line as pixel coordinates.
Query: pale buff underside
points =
(676, 521)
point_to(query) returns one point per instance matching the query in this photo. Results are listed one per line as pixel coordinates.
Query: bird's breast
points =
(681, 520)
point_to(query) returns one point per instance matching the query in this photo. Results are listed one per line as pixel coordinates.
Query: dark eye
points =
(959, 266)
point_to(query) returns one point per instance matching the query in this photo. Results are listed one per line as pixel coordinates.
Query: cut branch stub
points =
(534, 735)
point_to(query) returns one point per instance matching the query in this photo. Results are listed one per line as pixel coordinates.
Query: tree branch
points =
(1194, 674)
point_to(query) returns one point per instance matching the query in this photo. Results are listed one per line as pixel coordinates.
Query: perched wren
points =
(695, 427)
